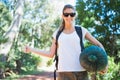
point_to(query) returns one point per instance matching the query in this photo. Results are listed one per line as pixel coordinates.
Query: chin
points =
(69, 21)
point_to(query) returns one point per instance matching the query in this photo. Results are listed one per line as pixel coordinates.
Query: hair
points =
(64, 8)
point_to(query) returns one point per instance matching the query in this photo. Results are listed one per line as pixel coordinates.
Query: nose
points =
(69, 16)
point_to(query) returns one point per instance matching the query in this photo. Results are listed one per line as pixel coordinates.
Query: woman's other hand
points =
(102, 72)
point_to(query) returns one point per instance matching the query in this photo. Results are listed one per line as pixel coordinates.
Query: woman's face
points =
(69, 15)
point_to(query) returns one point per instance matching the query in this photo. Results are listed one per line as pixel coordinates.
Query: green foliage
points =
(2, 39)
(113, 71)
(23, 61)
(5, 18)
(38, 29)
(101, 19)
(30, 62)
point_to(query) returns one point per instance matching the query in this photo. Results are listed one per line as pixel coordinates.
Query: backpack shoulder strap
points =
(57, 35)
(79, 32)
(56, 56)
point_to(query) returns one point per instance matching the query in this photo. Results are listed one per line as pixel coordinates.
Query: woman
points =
(68, 48)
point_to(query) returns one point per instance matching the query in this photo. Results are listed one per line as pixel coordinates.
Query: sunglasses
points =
(67, 14)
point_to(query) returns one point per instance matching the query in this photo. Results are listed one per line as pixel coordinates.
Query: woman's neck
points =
(69, 26)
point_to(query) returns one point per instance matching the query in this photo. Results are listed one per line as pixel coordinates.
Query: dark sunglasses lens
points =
(72, 14)
(67, 14)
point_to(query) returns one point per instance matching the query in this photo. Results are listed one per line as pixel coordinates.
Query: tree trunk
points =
(13, 31)
(18, 66)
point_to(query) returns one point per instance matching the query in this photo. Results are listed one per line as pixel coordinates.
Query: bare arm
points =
(43, 53)
(94, 41)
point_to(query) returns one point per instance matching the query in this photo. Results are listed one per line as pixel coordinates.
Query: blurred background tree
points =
(102, 18)
(26, 22)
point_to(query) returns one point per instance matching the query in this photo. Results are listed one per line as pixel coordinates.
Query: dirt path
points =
(47, 74)
(41, 76)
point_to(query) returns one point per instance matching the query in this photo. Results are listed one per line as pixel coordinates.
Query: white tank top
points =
(69, 50)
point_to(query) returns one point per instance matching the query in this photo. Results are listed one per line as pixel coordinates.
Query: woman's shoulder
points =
(84, 30)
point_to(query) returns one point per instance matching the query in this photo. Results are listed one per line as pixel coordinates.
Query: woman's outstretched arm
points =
(49, 53)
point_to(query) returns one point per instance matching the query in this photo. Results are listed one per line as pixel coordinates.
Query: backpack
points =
(79, 33)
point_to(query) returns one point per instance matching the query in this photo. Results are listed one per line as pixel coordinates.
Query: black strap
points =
(56, 56)
(55, 75)
(79, 32)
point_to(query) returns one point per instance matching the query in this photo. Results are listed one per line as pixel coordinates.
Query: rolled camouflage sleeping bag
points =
(93, 58)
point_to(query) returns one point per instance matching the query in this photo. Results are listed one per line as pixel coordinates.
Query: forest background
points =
(33, 22)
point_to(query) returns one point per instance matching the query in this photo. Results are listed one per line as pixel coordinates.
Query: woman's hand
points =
(27, 49)
(104, 71)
